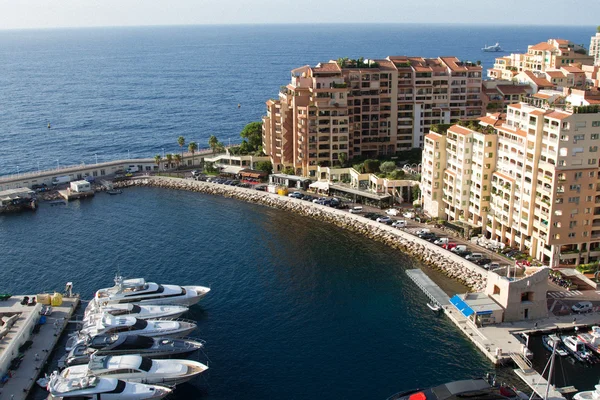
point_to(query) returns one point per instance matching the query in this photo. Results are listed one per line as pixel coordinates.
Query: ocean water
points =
(297, 310)
(111, 93)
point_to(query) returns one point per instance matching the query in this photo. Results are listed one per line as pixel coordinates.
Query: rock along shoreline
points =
(449, 264)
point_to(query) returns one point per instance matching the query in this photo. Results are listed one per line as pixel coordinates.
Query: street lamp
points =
(57, 165)
(96, 155)
(17, 170)
(38, 166)
(163, 152)
(128, 157)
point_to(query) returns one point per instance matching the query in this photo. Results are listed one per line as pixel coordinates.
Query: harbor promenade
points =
(43, 342)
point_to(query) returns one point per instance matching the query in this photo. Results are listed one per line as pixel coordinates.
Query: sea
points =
(298, 309)
(115, 93)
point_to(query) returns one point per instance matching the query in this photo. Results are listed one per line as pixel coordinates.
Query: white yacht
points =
(591, 339)
(577, 348)
(134, 310)
(588, 395)
(135, 368)
(139, 291)
(91, 387)
(109, 324)
(494, 48)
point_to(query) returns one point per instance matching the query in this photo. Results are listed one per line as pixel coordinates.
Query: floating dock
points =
(68, 194)
(24, 354)
(431, 290)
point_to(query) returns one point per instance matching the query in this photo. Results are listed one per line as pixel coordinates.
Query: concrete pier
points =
(67, 194)
(431, 290)
(35, 357)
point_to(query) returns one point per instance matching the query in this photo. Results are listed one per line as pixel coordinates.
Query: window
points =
(574, 200)
(595, 136)
(591, 174)
(595, 123)
(591, 161)
(572, 224)
(572, 234)
(593, 149)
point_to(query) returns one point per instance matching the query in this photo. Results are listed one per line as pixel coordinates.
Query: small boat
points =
(57, 202)
(494, 48)
(48, 125)
(591, 339)
(135, 368)
(578, 349)
(118, 344)
(139, 291)
(548, 343)
(134, 310)
(43, 381)
(92, 387)
(589, 394)
(434, 307)
(113, 192)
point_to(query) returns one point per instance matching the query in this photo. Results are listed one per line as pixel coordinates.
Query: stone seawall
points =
(448, 263)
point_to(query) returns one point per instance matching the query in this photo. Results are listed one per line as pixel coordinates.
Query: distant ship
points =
(493, 48)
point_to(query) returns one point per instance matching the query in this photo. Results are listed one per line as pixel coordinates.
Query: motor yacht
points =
(470, 388)
(578, 349)
(492, 48)
(141, 292)
(591, 339)
(135, 368)
(125, 325)
(119, 344)
(589, 394)
(134, 310)
(92, 387)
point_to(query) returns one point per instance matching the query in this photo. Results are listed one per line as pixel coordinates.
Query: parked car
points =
(308, 197)
(422, 230)
(442, 241)
(474, 257)
(460, 247)
(491, 265)
(409, 215)
(392, 211)
(384, 220)
(262, 188)
(335, 203)
(449, 245)
(371, 215)
(319, 200)
(296, 195)
(196, 173)
(582, 306)
(429, 236)
(482, 261)
(399, 224)
(462, 253)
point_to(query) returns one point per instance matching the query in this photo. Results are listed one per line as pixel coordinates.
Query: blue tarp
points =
(461, 306)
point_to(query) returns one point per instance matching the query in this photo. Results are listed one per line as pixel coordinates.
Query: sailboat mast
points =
(555, 341)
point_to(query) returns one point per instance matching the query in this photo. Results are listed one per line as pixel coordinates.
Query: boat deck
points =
(22, 378)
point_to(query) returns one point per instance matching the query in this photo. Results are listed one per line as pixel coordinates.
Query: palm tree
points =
(157, 160)
(169, 160)
(178, 159)
(213, 142)
(192, 147)
(181, 142)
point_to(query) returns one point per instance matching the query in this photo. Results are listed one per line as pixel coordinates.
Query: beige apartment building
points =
(378, 108)
(547, 60)
(528, 178)
(595, 48)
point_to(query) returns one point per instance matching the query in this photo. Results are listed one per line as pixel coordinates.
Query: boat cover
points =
(461, 306)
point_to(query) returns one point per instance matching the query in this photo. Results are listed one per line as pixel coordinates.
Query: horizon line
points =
(291, 24)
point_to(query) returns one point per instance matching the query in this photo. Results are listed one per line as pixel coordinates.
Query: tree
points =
(371, 166)
(169, 159)
(289, 170)
(342, 158)
(213, 142)
(388, 166)
(192, 147)
(181, 142)
(157, 160)
(253, 134)
(416, 192)
(265, 166)
(178, 160)
(244, 148)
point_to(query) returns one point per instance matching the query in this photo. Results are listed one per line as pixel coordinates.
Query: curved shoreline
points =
(435, 257)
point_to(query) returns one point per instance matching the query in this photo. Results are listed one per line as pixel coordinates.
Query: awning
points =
(231, 169)
(319, 185)
(461, 306)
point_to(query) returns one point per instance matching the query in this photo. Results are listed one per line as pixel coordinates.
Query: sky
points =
(35, 14)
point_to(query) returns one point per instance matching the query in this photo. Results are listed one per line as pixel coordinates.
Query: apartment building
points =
(545, 56)
(365, 108)
(595, 48)
(529, 177)
(497, 95)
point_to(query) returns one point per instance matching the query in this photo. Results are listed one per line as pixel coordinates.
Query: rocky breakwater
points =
(448, 263)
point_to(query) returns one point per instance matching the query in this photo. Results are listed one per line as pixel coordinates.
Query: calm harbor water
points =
(297, 310)
(114, 92)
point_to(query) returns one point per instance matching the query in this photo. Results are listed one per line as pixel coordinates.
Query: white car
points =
(384, 220)
(392, 211)
(356, 210)
(399, 224)
(409, 215)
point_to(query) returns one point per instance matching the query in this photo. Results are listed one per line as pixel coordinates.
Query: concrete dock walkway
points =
(35, 357)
